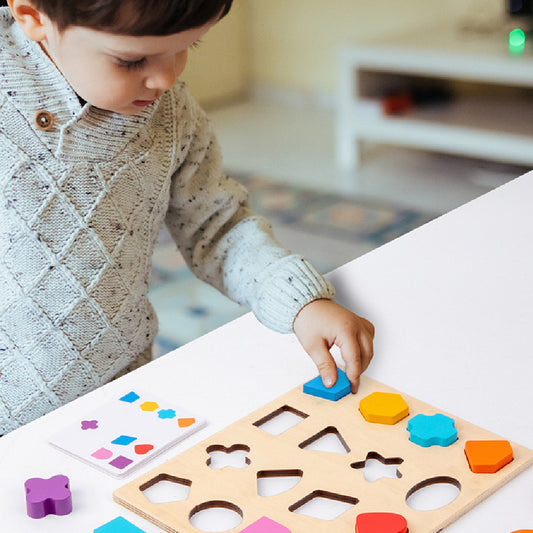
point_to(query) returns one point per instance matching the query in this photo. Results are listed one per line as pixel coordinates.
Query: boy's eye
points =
(131, 65)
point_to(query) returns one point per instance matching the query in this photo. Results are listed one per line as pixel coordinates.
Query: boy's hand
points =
(324, 323)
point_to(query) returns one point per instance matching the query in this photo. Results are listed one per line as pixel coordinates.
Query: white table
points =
(453, 307)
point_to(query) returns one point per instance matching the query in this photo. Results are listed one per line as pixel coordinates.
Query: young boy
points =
(99, 145)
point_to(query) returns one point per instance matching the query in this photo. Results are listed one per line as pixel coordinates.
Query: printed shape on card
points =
(126, 432)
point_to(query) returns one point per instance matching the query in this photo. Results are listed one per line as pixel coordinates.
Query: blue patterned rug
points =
(188, 308)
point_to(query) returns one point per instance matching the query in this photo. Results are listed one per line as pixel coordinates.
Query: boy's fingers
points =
(351, 355)
(325, 364)
(369, 326)
(367, 350)
(355, 385)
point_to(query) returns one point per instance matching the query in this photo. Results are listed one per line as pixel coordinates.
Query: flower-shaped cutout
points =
(48, 496)
(430, 430)
(235, 456)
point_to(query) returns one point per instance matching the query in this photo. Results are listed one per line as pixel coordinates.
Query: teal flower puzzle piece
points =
(428, 430)
(342, 387)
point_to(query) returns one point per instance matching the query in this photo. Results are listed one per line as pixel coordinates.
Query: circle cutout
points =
(215, 516)
(433, 493)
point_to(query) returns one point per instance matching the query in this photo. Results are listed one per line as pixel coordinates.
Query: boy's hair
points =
(134, 17)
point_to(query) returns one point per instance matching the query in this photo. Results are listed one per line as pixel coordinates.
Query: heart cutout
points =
(382, 522)
(141, 449)
(186, 422)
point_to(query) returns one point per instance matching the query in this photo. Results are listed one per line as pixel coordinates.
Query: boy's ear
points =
(29, 18)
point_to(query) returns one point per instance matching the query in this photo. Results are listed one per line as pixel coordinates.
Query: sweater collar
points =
(33, 83)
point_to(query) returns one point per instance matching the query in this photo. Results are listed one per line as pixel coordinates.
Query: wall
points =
(219, 70)
(294, 42)
(290, 45)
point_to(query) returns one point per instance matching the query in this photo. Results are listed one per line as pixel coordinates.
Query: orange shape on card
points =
(488, 456)
(186, 422)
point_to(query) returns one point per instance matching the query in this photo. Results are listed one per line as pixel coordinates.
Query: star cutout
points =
(375, 466)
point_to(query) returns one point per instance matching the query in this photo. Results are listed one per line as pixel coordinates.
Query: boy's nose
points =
(165, 75)
(161, 80)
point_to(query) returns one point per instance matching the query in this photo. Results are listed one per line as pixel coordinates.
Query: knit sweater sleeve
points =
(228, 246)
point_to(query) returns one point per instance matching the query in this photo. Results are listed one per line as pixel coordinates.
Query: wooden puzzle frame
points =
(323, 473)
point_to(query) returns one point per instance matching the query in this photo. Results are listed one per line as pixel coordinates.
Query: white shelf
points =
(492, 121)
(484, 128)
(447, 53)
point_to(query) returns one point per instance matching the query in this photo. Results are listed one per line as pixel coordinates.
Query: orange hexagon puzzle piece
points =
(383, 408)
(488, 456)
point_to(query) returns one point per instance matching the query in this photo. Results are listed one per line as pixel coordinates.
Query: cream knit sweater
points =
(81, 206)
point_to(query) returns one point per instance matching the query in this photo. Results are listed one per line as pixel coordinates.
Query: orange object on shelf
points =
(396, 104)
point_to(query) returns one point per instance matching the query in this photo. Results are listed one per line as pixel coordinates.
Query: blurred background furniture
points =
(456, 91)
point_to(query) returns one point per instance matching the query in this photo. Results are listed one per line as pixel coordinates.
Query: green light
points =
(517, 41)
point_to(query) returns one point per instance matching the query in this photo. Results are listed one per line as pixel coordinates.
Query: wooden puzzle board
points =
(323, 471)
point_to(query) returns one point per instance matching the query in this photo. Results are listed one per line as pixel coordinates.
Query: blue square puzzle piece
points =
(342, 387)
(118, 525)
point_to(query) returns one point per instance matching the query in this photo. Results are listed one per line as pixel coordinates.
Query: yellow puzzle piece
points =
(383, 408)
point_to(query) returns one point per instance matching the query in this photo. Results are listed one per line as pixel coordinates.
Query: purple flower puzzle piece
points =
(48, 496)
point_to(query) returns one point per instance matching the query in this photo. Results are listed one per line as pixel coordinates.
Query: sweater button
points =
(44, 120)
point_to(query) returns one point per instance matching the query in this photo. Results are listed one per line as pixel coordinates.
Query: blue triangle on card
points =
(342, 387)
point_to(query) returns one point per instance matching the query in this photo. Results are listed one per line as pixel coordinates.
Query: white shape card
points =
(126, 432)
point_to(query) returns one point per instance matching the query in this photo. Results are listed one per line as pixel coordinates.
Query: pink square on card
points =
(265, 525)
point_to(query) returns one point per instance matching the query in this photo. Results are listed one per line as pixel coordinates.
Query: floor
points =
(296, 145)
(329, 229)
(271, 143)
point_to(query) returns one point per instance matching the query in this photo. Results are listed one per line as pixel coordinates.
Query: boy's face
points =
(119, 73)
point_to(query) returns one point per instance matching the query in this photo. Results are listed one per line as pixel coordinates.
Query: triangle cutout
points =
(327, 440)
